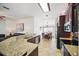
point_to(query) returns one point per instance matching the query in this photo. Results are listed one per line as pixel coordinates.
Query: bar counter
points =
(16, 47)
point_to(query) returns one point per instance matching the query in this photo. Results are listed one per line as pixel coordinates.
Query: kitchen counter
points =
(30, 37)
(33, 39)
(4, 36)
(16, 47)
(68, 44)
(72, 49)
(62, 38)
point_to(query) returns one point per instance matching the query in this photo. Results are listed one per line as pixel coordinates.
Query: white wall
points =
(28, 24)
(41, 21)
(2, 23)
(2, 27)
(10, 25)
(7, 26)
(37, 23)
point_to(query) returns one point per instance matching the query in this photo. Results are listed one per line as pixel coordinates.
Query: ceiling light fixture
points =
(45, 7)
(5, 7)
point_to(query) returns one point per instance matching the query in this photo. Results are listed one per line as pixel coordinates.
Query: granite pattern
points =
(72, 49)
(16, 47)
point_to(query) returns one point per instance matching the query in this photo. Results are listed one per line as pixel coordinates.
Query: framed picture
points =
(20, 27)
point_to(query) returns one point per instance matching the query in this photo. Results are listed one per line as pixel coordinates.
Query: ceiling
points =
(32, 9)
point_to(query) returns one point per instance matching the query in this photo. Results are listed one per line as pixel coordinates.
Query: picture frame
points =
(20, 27)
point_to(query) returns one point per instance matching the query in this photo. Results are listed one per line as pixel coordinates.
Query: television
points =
(67, 27)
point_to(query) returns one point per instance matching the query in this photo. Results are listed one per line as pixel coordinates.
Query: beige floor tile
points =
(58, 52)
(45, 47)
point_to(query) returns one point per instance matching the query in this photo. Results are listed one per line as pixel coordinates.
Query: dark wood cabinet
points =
(60, 29)
(61, 22)
(64, 51)
(35, 39)
(34, 52)
(75, 8)
(58, 36)
(75, 15)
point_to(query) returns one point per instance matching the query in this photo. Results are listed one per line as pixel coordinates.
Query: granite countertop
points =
(16, 47)
(62, 38)
(72, 49)
(29, 37)
(31, 47)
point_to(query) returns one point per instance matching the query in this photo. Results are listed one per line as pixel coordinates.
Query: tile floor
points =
(58, 52)
(47, 47)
